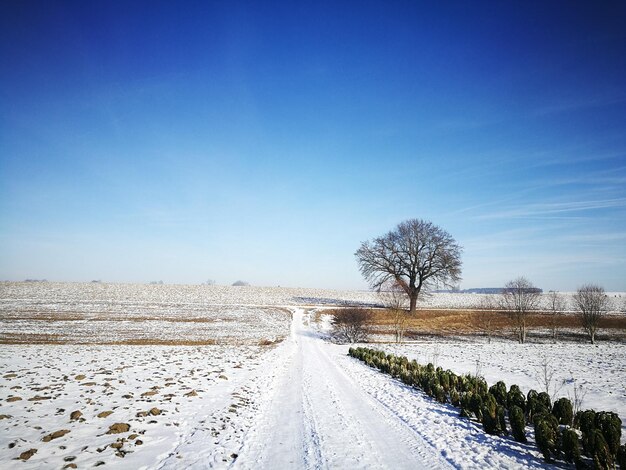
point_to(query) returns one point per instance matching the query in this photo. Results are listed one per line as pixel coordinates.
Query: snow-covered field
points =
(297, 403)
(142, 299)
(211, 324)
(164, 394)
(132, 313)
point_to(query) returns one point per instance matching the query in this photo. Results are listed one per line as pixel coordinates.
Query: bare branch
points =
(394, 299)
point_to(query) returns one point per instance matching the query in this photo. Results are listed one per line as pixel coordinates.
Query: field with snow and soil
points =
(131, 376)
(133, 406)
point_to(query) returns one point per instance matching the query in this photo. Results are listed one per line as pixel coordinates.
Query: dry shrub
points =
(351, 324)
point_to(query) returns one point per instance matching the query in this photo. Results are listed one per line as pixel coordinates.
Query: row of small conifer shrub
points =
(559, 433)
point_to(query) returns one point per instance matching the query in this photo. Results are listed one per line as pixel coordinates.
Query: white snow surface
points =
(132, 299)
(301, 404)
(297, 403)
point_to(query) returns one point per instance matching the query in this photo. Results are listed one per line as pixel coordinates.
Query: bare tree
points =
(592, 303)
(556, 306)
(394, 299)
(546, 377)
(519, 297)
(577, 397)
(486, 316)
(415, 255)
(351, 324)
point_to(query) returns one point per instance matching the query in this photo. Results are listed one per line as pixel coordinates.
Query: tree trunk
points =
(413, 305)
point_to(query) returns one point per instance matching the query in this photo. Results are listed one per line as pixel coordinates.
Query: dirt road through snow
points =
(317, 417)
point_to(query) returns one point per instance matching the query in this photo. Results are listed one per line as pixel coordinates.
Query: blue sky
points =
(265, 141)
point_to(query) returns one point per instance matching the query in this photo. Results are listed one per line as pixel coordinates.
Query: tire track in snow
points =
(318, 417)
(460, 442)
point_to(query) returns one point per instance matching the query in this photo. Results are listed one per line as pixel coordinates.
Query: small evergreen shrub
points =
(586, 422)
(466, 410)
(440, 394)
(543, 400)
(515, 397)
(476, 405)
(611, 427)
(621, 456)
(537, 403)
(602, 458)
(444, 380)
(490, 420)
(498, 390)
(546, 434)
(481, 387)
(502, 419)
(563, 411)
(454, 380)
(518, 423)
(455, 398)
(570, 445)
(406, 376)
(471, 405)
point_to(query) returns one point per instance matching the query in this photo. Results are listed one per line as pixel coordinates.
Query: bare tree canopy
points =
(518, 298)
(592, 303)
(415, 255)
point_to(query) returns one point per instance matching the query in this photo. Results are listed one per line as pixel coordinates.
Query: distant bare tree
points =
(486, 316)
(556, 306)
(394, 299)
(592, 303)
(415, 255)
(519, 297)
(351, 324)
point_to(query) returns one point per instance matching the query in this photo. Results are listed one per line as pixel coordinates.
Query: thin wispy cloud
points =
(577, 104)
(593, 238)
(500, 240)
(601, 178)
(554, 208)
(565, 157)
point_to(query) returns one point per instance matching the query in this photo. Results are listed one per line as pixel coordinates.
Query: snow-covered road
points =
(300, 404)
(317, 416)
